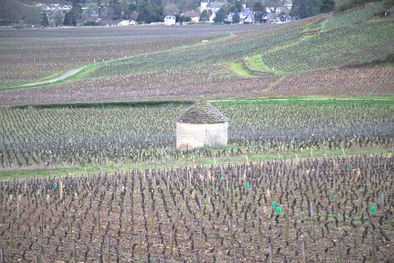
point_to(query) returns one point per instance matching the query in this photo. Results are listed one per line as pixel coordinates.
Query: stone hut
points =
(201, 125)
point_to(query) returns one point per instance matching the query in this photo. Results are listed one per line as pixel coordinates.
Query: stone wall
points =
(190, 136)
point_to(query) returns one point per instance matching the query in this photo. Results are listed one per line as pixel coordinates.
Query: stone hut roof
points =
(202, 112)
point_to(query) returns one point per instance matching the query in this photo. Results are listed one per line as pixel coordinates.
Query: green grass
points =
(310, 101)
(378, 100)
(240, 69)
(256, 63)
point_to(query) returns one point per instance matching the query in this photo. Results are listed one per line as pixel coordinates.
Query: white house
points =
(169, 20)
(215, 6)
(247, 16)
(204, 5)
(212, 6)
(124, 23)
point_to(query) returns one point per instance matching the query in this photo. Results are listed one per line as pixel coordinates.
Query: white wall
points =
(190, 136)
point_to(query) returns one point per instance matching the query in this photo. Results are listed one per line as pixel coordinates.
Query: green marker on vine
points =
(373, 210)
(335, 197)
(278, 210)
(273, 204)
(248, 186)
(55, 186)
(222, 178)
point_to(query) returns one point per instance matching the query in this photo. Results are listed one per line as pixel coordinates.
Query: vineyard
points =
(34, 54)
(89, 171)
(313, 210)
(132, 134)
(195, 61)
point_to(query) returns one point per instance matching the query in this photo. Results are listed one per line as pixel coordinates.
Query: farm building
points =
(201, 125)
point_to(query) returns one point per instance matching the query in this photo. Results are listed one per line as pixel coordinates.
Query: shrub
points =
(349, 4)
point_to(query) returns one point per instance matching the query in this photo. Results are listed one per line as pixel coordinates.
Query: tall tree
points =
(149, 11)
(76, 7)
(115, 9)
(220, 15)
(205, 15)
(236, 18)
(305, 8)
(327, 6)
(44, 19)
(13, 11)
(31, 15)
(10, 11)
(59, 18)
(237, 7)
(170, 9)
(71, 17)
(259, 11)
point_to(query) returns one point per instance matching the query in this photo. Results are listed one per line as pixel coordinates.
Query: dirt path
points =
(65, 75)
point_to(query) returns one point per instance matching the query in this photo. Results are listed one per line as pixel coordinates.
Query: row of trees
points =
(306, 8)
(147, 11)
(144, 10)
(13, 11)
(301, 8)
(16, 11)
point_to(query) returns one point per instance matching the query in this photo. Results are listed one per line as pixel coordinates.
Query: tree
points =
(305, 8)
(13, 11)
(31, 15)
(71, 17)
(236, 18)
(259, 11)
(9, 11)
(91, 9)
(115, 9)
(387, 4)
(170, 9)
(44, 20)
(205, 15)
(220, 15)
(59, 18)
(237, 7)
(149, 11)
(272, 4)
(129, 10)
(134, 15)
(327, 6)
(76, 7)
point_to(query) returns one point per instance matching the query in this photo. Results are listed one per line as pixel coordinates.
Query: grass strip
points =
(25, 173)
(271, 100)
(239, 69)
(256, 63)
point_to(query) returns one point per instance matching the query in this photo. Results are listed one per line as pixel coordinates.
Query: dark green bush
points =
(349, 4)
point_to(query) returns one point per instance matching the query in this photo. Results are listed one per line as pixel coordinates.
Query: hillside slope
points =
(328, 55)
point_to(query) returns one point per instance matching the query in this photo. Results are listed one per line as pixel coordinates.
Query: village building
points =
(201, 125)
(247, 16)
(170, 20)
(212, 7)
(194, 16)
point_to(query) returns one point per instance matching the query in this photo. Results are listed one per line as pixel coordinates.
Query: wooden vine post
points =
(303, 251)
